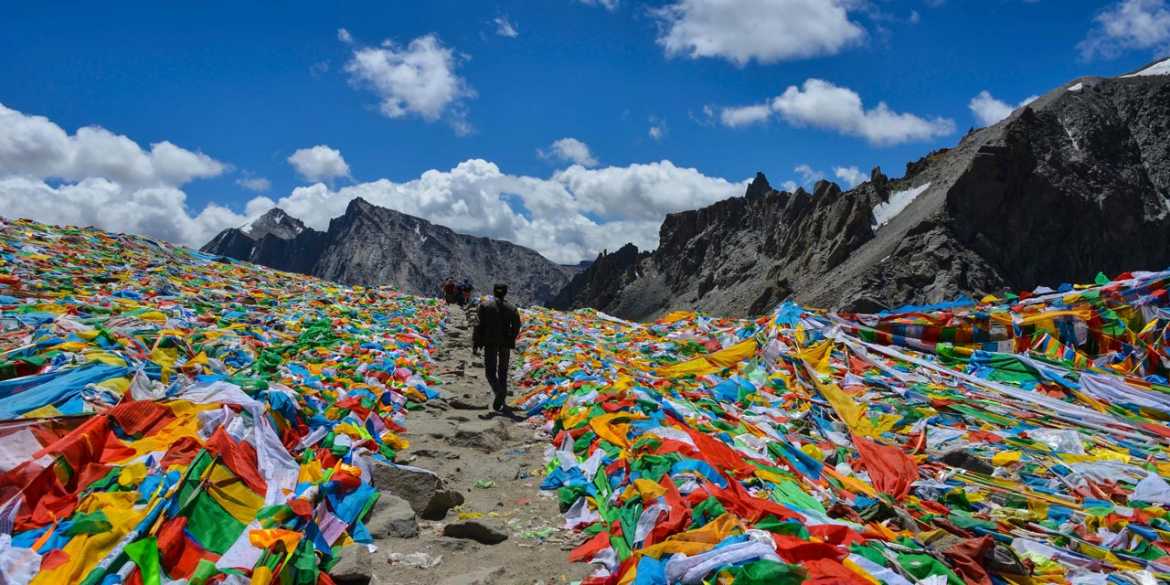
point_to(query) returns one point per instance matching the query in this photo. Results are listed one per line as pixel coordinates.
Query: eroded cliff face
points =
(371, 245)
(601, 280)
(1075, 183)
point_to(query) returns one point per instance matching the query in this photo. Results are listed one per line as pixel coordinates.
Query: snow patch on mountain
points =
(883, 213)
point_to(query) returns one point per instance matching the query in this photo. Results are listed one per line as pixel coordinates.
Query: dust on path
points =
(505, 457)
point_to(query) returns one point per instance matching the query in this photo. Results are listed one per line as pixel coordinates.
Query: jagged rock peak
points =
(274, 222)
(758, 187)
(359, 205)
(373, 246)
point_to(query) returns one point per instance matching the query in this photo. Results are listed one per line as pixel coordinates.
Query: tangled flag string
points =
(170, 417)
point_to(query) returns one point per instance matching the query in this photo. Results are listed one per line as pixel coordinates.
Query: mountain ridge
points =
(372, 245)
(1074, 183)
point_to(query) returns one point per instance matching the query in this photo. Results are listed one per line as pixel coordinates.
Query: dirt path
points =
(496, 465)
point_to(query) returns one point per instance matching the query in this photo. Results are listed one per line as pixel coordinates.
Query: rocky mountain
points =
(1074, 183)
(371, 245)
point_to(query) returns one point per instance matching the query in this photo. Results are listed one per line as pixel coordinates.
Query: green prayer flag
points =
(144, 553)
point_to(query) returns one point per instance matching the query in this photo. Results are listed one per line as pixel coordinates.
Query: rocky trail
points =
(484, 473)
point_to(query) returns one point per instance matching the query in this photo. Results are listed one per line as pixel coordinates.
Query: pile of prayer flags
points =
(170, 416)
(1018, 439)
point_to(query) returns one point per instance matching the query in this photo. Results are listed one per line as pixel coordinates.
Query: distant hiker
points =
(465, 289)
(496, 331)
(450, 290)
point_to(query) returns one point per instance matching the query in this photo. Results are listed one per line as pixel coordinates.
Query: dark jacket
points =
(498, 326)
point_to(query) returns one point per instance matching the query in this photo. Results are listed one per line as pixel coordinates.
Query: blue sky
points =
(249, 84)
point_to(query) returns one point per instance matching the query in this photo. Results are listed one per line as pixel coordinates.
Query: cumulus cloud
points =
(807, 174)
(34, 146)
(344, 36)
(1125, 26)
(319, 162)
(418, 79)
(568, 217)
(609, 5)
(257, 184)
(159, 212)
(988, 110)
(505, 27)
(820, 104)
(850, 176)
(643, 191)
(570, 150)
(745, 115)
(742, 30)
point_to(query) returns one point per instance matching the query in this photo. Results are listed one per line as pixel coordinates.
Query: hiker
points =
(449, 290)
(496, 331)
(465, 289)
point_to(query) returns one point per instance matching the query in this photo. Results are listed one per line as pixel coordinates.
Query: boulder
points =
(354, 567)
(480, 530)
(425, 491)
(392, 516)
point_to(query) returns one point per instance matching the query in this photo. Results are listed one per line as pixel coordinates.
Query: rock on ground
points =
(392, 516)
(355, 567)
(483, 435)
(426, 492)
(479, 530)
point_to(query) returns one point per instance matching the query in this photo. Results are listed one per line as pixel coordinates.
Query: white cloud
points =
(257, 184)
(657, 128)
(570, 150)
(850, 176)
(609, 5)
(34, 146)
(988, 110)
(821, 104)
(808, 175)
(789, 186)
(742, 30)
(319, 162)
(344, 36)
(643, 191)
(418, 79)
(744, 115)
(160, 212)
(505, 27)
(567, 217)
(1128, 25)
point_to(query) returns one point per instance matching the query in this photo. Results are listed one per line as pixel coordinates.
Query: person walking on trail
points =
(449, 290)
(465, 289)
(496, 331)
